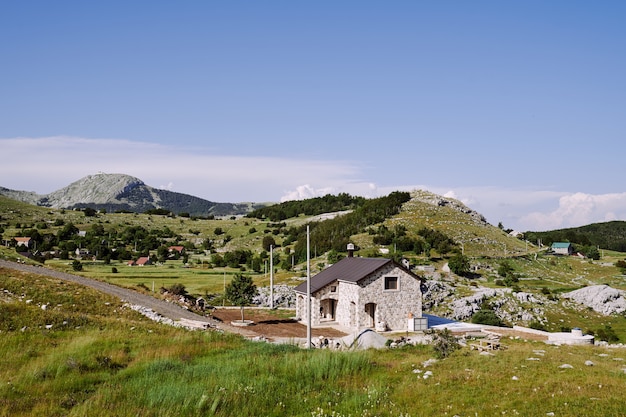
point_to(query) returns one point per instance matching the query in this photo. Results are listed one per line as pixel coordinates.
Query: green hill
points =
(608, 235)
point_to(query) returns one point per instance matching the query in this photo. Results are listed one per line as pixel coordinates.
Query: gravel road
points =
(165, 309)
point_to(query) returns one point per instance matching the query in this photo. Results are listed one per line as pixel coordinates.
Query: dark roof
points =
(348, 269)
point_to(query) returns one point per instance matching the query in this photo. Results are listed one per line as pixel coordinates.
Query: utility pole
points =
(272, 276)
(308, 288)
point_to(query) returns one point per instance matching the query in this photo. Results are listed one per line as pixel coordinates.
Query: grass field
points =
(86, 355)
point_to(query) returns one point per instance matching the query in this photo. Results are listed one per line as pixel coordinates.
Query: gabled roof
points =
(561, 245)
(143, 260)
(348, 269)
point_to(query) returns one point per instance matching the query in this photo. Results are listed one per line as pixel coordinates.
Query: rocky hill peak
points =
(98, 189)
(440, 201)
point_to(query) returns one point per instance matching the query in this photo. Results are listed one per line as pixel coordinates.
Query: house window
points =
(333, 288)
(391, 283)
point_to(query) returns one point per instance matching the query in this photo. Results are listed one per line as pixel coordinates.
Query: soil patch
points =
(271, 326)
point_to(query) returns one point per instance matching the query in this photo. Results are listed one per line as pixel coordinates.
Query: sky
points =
(516, 108)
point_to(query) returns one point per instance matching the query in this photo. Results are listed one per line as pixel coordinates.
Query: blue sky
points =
(515, 108)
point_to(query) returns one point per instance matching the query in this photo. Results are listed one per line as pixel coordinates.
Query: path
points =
(168, 310)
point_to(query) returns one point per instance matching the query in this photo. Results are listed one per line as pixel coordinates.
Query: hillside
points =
(519, 281)
(608, 235)
(120, 192)
(71, 351)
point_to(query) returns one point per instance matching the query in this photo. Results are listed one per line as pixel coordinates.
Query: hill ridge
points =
(122, 192)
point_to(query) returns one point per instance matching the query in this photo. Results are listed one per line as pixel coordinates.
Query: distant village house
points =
(23, 241)
(144, 260)
(562, 248)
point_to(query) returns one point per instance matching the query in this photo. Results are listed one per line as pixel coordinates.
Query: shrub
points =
(444, 343)
(487, 317)
(537, 325)
(114, 270)
(77, 266)
(607, 334)
(178, 289)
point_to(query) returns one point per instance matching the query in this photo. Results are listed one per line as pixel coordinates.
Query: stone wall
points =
(392, 307)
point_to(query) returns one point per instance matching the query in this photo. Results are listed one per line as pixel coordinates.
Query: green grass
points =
(119, 363)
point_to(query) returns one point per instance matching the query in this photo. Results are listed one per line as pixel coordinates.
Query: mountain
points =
(120, 192)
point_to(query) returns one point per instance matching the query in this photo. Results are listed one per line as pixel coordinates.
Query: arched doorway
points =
(328, 309)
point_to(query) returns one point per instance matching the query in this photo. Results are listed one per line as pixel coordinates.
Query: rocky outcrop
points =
(440, 201)
(601, 298)
(511, 307)
(284, 296)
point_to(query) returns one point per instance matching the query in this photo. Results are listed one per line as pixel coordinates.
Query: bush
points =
(537, 325)
(114, 270)
(607, 334)
(444, 343)
(178, 289)
(487, 317)
(77, 266)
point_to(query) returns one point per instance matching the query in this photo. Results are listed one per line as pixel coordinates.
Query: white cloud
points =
(44, 165)
(47, 164)
(579, 209)
(301, 192)
(169, 186)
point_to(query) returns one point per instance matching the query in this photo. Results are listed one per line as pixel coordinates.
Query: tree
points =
(90, 212)
(505, 269)
(459, 264)
(267, 242)
(592, 252)
(240, 291)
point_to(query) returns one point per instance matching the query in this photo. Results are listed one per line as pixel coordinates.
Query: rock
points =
(589, 363)
(284, 296)
(429, 362)
(601, 298)
(566, 366)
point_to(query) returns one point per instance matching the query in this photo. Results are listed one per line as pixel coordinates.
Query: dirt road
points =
(265, 324)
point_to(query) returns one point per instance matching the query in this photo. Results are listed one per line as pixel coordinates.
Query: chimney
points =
(350, 250)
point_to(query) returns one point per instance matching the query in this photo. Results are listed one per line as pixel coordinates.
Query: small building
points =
(562, 248)
(144, 260)
(23, 241)
(360, 293)
(177, 250)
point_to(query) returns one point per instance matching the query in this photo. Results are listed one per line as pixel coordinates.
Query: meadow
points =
(85, 354)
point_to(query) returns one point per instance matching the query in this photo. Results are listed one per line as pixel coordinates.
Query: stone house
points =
(359, 293)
